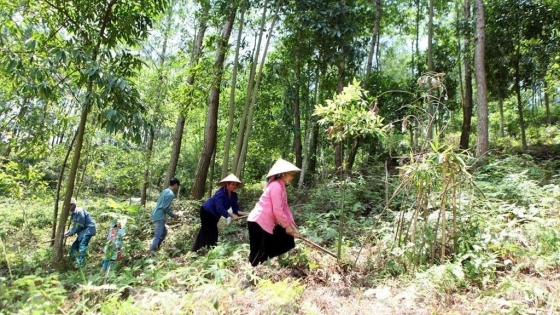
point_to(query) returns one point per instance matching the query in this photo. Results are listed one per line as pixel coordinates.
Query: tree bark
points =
(229, 131)
(57, 252)
(245, 146)
(237, 165)
(338, 155)
(480, 72)
(547, 104)
(313, 144)
(431, 101)
(145, 184)
(310, 145)
(353, 153)
(297, 121)
(501, 110)
(468, 97)
(210, 133)
(374, 36)
(59, 186)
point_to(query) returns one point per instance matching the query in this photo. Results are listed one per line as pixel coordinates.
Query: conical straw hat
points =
(282, 166)
(231, 178)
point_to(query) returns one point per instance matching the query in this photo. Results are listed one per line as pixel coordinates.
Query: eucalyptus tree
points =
(480, 72)
(85, 45)
(229, 10)
(467, 96)
(233, 88)
(193, 70)
(430, 64)
(374, 35)
(255, 77)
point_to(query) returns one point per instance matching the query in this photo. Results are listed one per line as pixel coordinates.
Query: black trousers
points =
(208, 233)
(264, 245)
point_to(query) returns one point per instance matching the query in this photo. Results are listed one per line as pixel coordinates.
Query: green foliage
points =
(348, 115)
(32, 295)
(514, 178)
(443, 279)
(21, 180)
(279, 297)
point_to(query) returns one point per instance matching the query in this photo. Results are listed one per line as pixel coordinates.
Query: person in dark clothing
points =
(214, 208)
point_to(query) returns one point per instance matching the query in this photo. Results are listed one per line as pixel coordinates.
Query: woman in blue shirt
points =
(214, 208)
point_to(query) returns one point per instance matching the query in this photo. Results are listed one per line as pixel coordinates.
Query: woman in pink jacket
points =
(271, 224)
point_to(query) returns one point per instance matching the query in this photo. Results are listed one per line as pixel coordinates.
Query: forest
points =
(427, 134)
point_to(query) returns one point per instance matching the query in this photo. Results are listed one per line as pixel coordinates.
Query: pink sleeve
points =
(290, 215)
(276, 196)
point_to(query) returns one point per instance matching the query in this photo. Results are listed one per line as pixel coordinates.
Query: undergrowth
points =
(507, 231)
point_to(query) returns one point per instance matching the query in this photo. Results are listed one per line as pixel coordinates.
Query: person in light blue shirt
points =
(160, 212)
(83, 226)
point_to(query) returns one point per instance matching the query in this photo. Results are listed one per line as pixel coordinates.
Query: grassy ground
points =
(507, 259)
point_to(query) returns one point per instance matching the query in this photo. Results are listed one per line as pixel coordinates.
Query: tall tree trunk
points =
(517, 89)
(211, 129)
(254, 94)
(180, 125)
(59, 186)
(57, 251)
(547, 104)
(297, 121)
(338, 155)
(353, 152)
(431, 98)
(145, 184)
(297, 130)
(237, 166)
(229, 132)
(501, 110)
(416, 68)
(212, 167)
(310, 145)
(374, 36)
(468, 97)
(480, 72)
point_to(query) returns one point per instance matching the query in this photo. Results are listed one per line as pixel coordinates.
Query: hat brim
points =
(282, 166)
(231, 178)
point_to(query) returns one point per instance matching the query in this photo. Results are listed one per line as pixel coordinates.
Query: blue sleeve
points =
(79, 222)
(166, 204)
(221, 203)
(234, 205)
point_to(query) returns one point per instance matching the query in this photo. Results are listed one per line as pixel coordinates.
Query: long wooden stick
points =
(318, 246)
